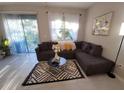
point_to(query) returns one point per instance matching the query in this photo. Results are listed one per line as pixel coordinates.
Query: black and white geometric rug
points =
(43, 73)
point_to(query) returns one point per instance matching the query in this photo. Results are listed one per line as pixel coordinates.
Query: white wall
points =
(110, 43)
(1, 29)
(43, 17)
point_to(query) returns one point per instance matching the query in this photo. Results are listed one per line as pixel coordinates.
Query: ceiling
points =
(71, 4)
(54, 4)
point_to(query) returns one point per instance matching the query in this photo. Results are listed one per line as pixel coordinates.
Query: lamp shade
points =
(122, 29)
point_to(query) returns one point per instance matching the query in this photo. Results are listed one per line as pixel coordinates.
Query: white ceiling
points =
(71, 4)
(54, 4)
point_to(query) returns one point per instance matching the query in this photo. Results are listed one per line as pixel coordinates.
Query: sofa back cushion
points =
(95, 50)
(86, 47)
(45, 46)
(92, 49)
(78, 44)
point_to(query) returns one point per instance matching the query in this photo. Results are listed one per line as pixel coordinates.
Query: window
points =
(64, 26)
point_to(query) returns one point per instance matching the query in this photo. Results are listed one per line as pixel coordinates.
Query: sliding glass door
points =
(22, 32)
(31, 35)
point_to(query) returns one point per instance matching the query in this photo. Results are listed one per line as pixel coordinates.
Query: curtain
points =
(14, 32)
(22, 32)
(55, 21)
(63, 26)
(72, 24)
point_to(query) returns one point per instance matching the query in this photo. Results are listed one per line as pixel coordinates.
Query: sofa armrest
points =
(37, 50)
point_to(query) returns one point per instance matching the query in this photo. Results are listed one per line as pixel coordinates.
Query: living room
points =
(16, 66)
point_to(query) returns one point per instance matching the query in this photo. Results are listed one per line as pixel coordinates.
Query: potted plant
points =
(5, 47)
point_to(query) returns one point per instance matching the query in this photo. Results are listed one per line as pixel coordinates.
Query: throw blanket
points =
(67, 45)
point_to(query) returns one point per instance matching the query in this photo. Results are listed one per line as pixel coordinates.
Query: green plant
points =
(5, 44)
(65, 33)
(5, 47)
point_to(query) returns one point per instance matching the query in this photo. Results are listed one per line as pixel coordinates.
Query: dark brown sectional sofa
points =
(88, 55)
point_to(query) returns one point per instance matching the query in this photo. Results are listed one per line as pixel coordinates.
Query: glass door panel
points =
(30, 32)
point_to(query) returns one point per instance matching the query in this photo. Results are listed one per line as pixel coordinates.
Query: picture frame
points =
(101, 24)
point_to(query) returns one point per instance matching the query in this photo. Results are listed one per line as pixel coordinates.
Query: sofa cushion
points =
(68, 54)
(93, 65)
(78, 44)
(95, 50)
(45, 46)
(86, 47)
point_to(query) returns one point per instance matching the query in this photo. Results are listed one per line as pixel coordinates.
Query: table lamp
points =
(110, 74)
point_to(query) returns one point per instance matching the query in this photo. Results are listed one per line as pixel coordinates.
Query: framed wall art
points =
(101, 24)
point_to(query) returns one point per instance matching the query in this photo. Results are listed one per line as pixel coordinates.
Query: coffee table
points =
(61, 65)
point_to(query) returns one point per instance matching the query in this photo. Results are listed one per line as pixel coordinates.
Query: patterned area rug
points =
(43, 73)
